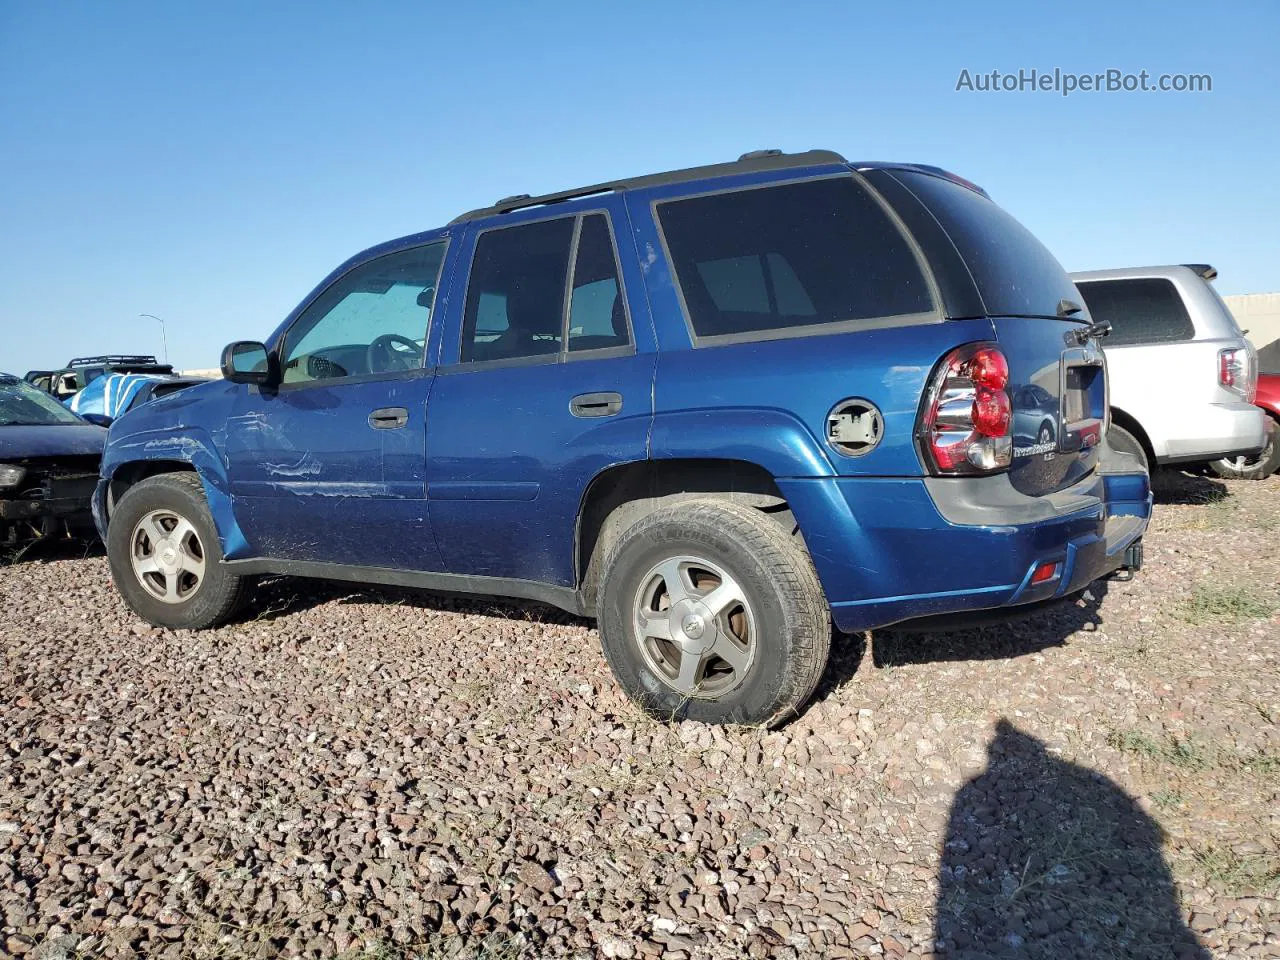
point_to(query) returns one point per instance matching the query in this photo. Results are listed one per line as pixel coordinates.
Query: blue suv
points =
(715, 409)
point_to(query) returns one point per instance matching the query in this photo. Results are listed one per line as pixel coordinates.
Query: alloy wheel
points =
(167, 556)
(694, 627)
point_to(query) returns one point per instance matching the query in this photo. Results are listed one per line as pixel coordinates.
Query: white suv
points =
(1182, 375)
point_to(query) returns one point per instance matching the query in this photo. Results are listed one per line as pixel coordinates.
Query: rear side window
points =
(597, 311)
(516, 296)
(1015, 273)
(778, 261)
(1148, 310)
(516, 293)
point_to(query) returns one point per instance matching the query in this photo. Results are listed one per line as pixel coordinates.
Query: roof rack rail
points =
(113, 358)
(752, 162)
(1203, 270)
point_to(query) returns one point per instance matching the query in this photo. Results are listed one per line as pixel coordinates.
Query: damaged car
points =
(49, 460)
(715, 409)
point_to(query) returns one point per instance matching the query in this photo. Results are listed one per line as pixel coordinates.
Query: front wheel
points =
(165, 557)
(1250, 468)
(711, 611)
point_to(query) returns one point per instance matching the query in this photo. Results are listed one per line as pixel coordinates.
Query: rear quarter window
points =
(1015, 273)
(790, 260)
(1145, 310)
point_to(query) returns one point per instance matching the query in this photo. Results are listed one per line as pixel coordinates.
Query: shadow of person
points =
(1047, 859)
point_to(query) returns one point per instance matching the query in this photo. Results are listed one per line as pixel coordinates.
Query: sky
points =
(209, 163)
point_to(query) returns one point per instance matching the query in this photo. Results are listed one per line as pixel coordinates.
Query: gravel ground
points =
(383, 774)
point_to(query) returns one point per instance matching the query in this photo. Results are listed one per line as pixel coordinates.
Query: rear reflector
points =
(1046, 571)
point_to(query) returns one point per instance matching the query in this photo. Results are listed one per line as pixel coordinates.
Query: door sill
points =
(564, 598)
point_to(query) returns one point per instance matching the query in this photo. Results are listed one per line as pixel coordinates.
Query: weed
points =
(1191, 754)
(1226, 605)
(1237, 875)
(1266, 764)
(1263, 711)
(1185, 754)
(1167, 799)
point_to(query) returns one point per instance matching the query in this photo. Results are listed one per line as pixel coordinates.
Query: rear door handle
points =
(388, 418)
(596, 404)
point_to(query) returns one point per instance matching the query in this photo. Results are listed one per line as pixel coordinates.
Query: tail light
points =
(1238, 371)
(966, 426)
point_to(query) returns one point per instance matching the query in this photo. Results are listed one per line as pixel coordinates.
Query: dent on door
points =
(335, 474)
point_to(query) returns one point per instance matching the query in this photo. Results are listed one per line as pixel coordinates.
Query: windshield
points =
(21, 404)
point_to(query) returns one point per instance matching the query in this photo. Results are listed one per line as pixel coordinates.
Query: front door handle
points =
(388, 418)
(596, 404)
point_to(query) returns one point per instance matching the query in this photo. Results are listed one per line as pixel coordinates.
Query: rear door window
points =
(789, 260)
(516, 296)
(1143, 310)
(597, 308)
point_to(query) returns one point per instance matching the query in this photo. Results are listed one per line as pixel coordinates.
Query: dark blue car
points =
(49, 460)
(714, 408)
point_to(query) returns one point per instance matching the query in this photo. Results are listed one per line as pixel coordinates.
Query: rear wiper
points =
(1067, 307)
(1084, 334)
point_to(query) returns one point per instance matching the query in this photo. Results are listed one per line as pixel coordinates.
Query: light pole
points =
(163, 338)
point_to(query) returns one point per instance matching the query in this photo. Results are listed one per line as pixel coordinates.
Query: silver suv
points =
(1182, 375)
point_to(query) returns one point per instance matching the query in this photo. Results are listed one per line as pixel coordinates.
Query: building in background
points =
(1258, 314)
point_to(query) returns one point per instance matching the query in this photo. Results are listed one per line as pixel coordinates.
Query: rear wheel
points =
(1125, 442)
(1250, 468)
(165, 557)
(710, 611)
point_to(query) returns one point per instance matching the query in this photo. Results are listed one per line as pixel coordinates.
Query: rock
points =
(368, 770)
(615, 947)
(536, 876)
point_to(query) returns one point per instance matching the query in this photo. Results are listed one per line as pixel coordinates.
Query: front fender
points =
(174, 445)
(771, 439)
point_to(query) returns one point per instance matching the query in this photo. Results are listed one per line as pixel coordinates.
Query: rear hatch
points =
(1057, 377)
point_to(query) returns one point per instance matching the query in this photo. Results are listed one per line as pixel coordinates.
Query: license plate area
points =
(1083, 399)
(1075, 395)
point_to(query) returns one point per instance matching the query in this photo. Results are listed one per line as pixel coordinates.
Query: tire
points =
(776, 629)
(1122, 440)
(159, 535)
(1257, 468)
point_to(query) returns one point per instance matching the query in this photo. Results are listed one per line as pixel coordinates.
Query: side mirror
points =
(247, 361)
(100, 419)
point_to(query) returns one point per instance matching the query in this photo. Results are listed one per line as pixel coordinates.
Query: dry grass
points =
(1211, 604)
(1238, 875)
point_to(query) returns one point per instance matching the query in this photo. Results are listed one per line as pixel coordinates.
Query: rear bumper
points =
(885, 552)
(1216, 430)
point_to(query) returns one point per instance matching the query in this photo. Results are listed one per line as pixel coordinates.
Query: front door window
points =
(371, 321)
